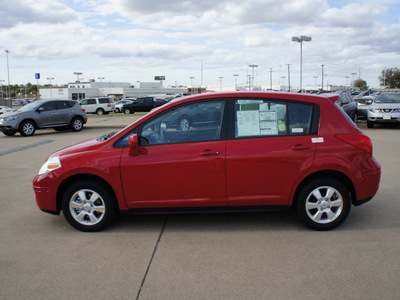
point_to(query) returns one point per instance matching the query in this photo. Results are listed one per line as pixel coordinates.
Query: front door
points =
(176, 168)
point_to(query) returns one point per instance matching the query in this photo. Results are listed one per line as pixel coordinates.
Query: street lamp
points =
(322, 75)
(51, 90)
(77, 75)
(300, 40)
(220, 83)
(101, 78)
(353, 79)
(235, 76)
(8, 73)
(253, 66)
(347, 78)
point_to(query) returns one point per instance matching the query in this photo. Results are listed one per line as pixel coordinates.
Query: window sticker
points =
(297, 130)
(281, 126)
(268, 123)
(248, 122)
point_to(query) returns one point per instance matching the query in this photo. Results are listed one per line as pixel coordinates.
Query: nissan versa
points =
(238, 151)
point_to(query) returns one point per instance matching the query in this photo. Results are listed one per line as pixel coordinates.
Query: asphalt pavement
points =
(210, 256)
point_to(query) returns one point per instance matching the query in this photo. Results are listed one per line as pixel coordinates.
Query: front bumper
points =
(383, 117)
(46, 193)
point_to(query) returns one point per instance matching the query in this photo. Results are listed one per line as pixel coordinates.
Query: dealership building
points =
(79, 90)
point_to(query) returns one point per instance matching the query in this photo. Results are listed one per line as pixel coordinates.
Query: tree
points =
(390, 78)
(361, 84)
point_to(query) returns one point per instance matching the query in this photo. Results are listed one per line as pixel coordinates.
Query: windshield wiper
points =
(106, 136)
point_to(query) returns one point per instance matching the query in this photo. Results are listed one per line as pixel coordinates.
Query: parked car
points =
(363, 106)
(6, 110)
(119, 104)
(348, 105)
(385, 108)
(263, 150)
(143, 104)
(57, 114)
(98, 106)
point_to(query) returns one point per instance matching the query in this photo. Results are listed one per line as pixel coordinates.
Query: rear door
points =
(270, 145)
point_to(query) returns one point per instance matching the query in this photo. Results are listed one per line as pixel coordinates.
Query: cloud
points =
(34, 11)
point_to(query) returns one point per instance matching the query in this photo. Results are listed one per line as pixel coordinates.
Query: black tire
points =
(370, 124)
(27, 128)
(117, 110)
(76, 124)
(127, 111)
(323, 204)
(9, 133)
(100, 111)
(183, 123)
(87, 214)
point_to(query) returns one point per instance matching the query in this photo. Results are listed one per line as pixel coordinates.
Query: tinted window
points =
(62, 104)
(195, 122)
(91, 101)
(272, 118)
(104, 100)
(48, 106)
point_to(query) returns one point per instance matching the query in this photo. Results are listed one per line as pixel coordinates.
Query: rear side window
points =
(272, 118)
(62, 104)
(104, 100)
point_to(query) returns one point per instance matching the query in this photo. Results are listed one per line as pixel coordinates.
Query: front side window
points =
(272, 118)
(194, 122)
(48, 106)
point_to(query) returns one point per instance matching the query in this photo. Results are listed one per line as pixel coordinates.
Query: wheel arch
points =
(331, 174)
(70, 180)
(29, 119)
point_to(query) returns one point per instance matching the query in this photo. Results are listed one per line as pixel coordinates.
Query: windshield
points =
(387, 98)
(30, 106)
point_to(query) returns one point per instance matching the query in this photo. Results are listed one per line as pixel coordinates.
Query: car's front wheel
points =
(117, 110)
(370, 124)
(27, 128)
(88, 206)
(127, 111)
(323, 204)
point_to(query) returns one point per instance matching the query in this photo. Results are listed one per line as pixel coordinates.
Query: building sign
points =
(159, 78)
(37, 75)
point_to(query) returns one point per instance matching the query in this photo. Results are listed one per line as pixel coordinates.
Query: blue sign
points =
(37, 75)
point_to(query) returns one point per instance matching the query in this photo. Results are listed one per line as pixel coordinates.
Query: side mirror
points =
(40, 109)
(133, 145)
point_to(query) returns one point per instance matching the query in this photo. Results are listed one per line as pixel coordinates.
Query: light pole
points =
(300, 40)
(191, 85)
(8, 74)
(220, 83)
(322, 81)
(288, 71)
(353, 79)
(235, 76)
(283, 78)
(253, 66)
(51, 92)
(347, 78)
(77, 75)
(270, 78)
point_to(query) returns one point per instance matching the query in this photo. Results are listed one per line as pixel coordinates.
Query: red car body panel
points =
(226, 172)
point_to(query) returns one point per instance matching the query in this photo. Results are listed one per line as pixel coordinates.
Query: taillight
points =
(108, 105)
(83, 109)
(357, 140)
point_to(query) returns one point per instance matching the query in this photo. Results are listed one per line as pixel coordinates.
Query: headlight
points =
(7, 119)
(51, 164)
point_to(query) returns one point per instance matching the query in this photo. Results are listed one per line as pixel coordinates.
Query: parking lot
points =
(210, 256)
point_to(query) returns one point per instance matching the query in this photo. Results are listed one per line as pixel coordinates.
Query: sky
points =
(135, 40)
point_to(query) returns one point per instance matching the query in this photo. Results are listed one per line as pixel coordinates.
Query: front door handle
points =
(300, 147)
(209, 152)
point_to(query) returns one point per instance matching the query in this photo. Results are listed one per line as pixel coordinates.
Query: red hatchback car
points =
(217, 152)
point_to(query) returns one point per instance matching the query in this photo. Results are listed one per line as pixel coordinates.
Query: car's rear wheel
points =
(76, 124)
(88, 206)
(323, 204)
(9, 133)
(117, 110)
(100, 111)
(27, 128)
(127, 111)
(370, 124)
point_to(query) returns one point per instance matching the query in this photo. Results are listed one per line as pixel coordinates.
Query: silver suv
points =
(385, 108)
(98, 106)
(56, 114)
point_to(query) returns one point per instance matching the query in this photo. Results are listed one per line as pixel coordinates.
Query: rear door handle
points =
(300, 147)
(209, 152)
